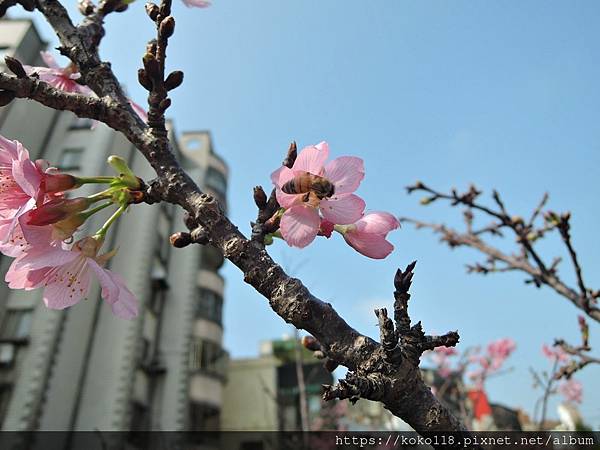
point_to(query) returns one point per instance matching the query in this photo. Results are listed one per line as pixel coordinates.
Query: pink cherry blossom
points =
(20, 185)
(196, 3)
(554, 353)
(24, 185)
(572, 391)
(66, 276)
(23, 236)
(499, 351)
(368, 234)
(63, 78)
(441, 358)
(300, 222)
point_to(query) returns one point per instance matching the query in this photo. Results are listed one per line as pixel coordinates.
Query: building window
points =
(5, 396)
(7, 355)
(81, 123)
(208, 357)
(70, 159)
(204, 417)
(216, 180)
(158, 296)
(209, 305)
(16, 325)
(4, 51)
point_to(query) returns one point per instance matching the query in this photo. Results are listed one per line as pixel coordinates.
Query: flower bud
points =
(310, 343)
(126, 174)
(60, 182)
(151, 65)
(15, 66)
(64, 229)
(167, 27)
(174, 80)
(152, 10)
(144, 80)
(260, 198)
(181, 239)
(57, 210)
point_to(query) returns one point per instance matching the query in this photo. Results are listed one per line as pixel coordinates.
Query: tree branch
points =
(390, 375)
(527, 234)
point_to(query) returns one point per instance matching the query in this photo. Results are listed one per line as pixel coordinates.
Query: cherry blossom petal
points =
(37, 257)
(287, 200)
(139, 110)
(13, 221)
(300, 225)
(10, 147)
(114, 291)
(311, 159)
(346, 173)
(372, 245)
(67, 284)
(49, 60)
(22, 237)
(282, 176)
(26, 174)
(342, 209)
(378, 223)
(24, 278)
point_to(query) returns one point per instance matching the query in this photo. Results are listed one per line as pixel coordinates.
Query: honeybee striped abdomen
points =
(306, 183)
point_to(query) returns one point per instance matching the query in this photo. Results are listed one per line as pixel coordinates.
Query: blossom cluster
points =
(480, 365)
(490, 363)
(305, 214)
(571, 389)
(37, 219)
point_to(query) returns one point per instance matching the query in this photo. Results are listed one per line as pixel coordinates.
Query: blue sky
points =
(505, 95)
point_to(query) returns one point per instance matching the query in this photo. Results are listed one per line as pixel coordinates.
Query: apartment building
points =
(83, 368)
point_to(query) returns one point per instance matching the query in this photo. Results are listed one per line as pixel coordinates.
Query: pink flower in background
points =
(368, 235)
(301, 220)
(554, 353)
(196, 3)
(572, 391)
(139, 110)
(499, 351)
(441, 358)
(489, 364)
(446, 351)
(63, 78)
(66, 275)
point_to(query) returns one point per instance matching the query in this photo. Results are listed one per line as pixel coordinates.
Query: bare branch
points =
(384, 375)
(528, 260)
(101, 109)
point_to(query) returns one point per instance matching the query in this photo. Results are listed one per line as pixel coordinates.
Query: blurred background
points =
(504, 96)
